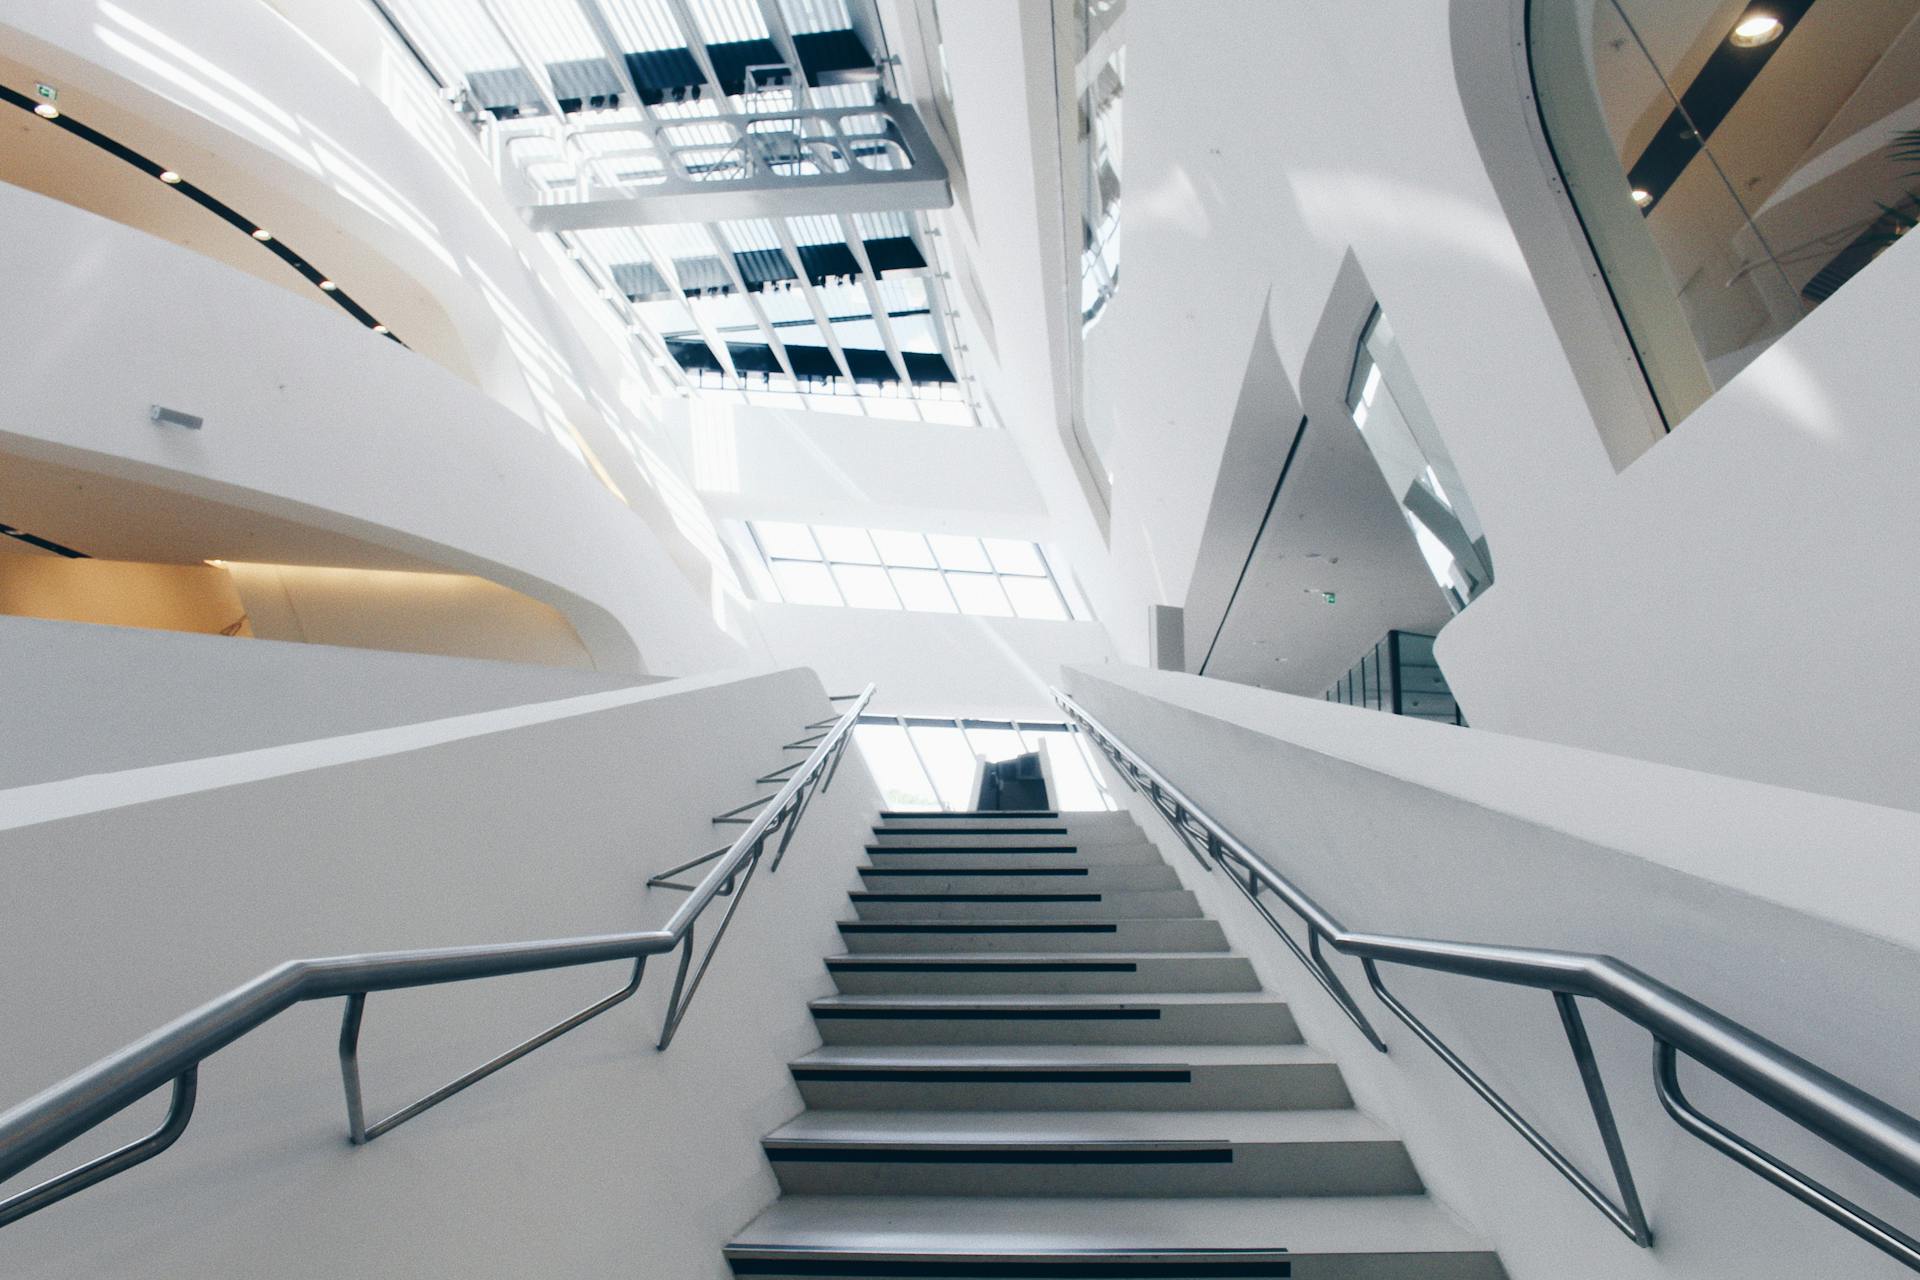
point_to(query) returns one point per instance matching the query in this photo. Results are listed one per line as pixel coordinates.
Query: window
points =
(1103, 69)
(892, 569)
(1734, 164)
(930, 762)
(1406, 445)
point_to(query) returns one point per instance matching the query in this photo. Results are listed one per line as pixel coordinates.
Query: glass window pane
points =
(922, 589)
(851, 545)
(895, 769)
(1015, 557)
(949, 760)
(958, 553)
(785, 540)
(1034, 598)
(979, 593)
(865, 586)
(907, 549)
(804, 583)
(995, 744)
(1074, 786)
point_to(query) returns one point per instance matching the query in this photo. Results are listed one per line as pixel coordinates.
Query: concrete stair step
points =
(1092, 1077)
(1039, 973)
(1173, 934)
(1195, 1018)
(971, 1238)
(1003, 878)
(1051, 904)
(1089, 1153)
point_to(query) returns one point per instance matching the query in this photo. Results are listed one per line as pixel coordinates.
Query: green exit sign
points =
(46, 91)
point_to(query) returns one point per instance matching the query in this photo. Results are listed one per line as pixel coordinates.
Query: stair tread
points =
(1024, 1057)
(1064, 1128)
(1046, 1000)
(986, 1227)
(1022, 957)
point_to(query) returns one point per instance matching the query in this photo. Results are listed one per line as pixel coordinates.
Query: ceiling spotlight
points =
(169, 177)
(380, 328)
(262, 234)
(328, 285)
(1642, 198)
(1757, 29)
(47, 111)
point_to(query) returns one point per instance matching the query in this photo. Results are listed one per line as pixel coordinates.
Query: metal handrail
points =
(1855, 1122)
(172, 1054)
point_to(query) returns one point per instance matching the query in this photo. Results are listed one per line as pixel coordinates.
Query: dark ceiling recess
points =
(1729, 71)
(212, 204)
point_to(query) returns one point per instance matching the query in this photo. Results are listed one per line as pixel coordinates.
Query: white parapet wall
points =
(1789, 911)
(134, 896)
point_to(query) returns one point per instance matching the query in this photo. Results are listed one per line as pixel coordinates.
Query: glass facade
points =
(931, 762)
(1399, 675)
(1405, 443)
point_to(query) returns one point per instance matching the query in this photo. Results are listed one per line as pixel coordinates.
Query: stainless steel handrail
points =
(1855, 1122)
(172, 1054)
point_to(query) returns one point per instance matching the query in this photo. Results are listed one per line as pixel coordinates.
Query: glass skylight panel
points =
(805, 17)
(550, 30)
(959, 553)
(865, 586)
(644, 26)
(930, 573)
(890, 224)
(907, 549)
(467, 40)
(785, 541)
(802, 583)
(979, 594)
(850, 545)
(728, 21)
(924, 590)
(1009, 556)
(1034, 598)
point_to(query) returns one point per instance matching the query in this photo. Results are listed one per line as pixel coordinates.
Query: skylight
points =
(604, 100)
(896, 569)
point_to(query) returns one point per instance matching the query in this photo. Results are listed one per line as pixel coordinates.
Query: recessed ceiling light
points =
(328, 285)
(262, 234)
(380, 328)
(169, 177)
(47, 110)
(1757, 29)
(1642, 198)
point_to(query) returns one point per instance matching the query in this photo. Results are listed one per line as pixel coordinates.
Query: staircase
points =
(1044, 1062)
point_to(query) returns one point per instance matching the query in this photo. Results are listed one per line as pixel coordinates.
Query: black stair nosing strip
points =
(832, 1151)
(1229, 1265)
(962, 926)
(865, 896)
(976, 871)
(856, 964)
(976, 831)
(962, 848)
(953, 815)
(985, 1075)
(988, 1015)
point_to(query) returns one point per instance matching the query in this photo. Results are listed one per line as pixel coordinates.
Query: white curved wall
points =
(1734, 600)
(314, 419)
(314, 122)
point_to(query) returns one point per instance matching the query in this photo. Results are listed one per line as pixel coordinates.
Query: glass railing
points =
(1399, 675)
(1734, 164)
